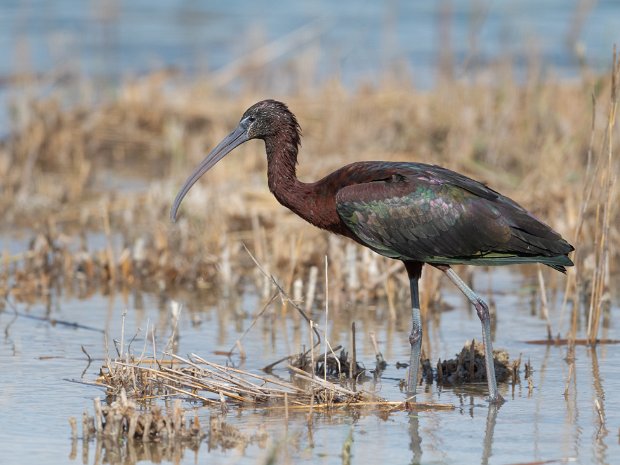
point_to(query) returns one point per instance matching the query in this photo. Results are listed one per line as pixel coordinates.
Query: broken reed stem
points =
(571, 369)
(346, 448)
(294, 258)
(543, 301)
(105, 214)
(383, 405)
(254, 320)
(312, 277)
(122, 354)
(74, 430)
(284, 295)
(263, 379)
(154, 347)
(601, 413)
(98, 415)
(322, 383)
(354, 354)
(175, 312)
(375, 346)
(326, 321)
(286, 407)
(311, 348)
(327, 344)
(588, 186)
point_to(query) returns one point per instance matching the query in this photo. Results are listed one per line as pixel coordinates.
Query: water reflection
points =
(489, 431)
(600, 446)
(415, 443)
(534, 425)
(114, 452)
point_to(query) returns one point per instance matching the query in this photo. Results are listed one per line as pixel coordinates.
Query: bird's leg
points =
(414, 271)
(415, 338)
(483, 313)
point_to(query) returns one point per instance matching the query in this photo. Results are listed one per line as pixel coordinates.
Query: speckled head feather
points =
(269, 118)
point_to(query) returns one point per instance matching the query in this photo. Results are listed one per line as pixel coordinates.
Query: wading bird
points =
(413, 212)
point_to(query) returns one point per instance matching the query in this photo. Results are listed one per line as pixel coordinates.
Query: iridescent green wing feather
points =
(426, 213)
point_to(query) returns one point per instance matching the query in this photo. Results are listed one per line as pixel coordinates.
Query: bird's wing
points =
(431, 214)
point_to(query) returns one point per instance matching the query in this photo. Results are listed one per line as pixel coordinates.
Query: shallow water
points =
(39, 360)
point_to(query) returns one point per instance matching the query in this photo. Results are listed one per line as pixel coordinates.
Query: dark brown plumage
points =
(413, 212)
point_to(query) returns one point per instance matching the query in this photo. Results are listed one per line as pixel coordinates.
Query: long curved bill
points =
(234, 139)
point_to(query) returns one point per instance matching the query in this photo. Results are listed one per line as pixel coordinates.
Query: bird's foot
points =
(496, 400)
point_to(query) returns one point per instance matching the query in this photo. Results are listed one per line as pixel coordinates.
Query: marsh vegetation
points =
(86, 188)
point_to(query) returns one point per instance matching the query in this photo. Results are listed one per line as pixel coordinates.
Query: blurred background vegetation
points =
(107, 105)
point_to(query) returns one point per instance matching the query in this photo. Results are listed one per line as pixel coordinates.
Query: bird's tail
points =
(559, 262)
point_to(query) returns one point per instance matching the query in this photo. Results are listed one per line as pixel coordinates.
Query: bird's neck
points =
(282, 175)
(310, 201)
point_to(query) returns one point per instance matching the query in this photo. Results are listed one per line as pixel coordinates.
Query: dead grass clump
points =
(340, 366)
(596, 230)
(468, 366)
(125, 433)
(67, 171)
(50, 266)
(123, 420)
(139, 130)
(220, 386)
(197, 379)
(128, 433)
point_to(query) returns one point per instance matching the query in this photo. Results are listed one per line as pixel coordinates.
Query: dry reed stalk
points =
(543, 301)
(195, 375)
(606, 182)
(312, 277)
(298, 289)
(353, 355)
(249, 328)
(371, 406)
(380, 361)
(285, 297)
(461, 126)
(326, 321)
(389, 293)
(311, 329)
(293, 261)
(122, 420)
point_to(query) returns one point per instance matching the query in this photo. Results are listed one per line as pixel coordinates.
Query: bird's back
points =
(415, 211)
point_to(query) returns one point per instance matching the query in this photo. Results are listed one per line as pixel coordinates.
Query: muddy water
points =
(40, 361)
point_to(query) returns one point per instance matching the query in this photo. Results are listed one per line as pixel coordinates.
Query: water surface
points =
(40, 359)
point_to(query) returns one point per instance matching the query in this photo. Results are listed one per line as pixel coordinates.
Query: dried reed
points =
(149, 138)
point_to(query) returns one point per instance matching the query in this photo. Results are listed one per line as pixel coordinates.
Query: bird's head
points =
(268, 118)
(263, 120)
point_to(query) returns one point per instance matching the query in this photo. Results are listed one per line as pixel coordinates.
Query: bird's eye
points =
(251, 119)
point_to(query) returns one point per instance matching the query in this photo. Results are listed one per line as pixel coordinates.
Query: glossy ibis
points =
(413, 212)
